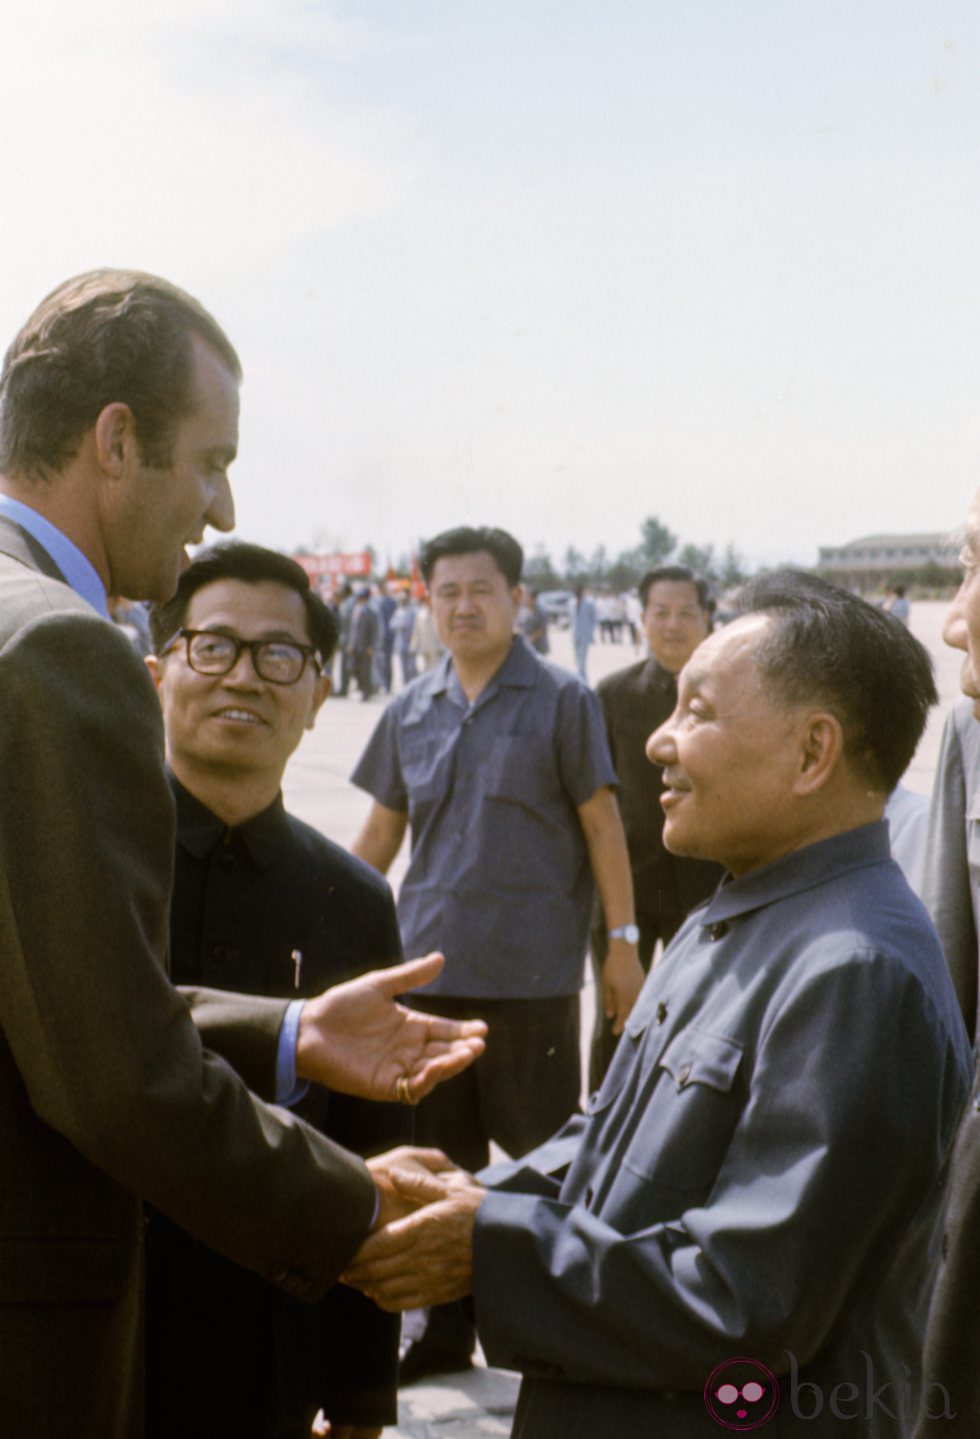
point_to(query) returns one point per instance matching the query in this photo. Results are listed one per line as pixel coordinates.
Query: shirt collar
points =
(518, 671)
(656, 675)
(199, 830)
(77, 569)
(804, 869)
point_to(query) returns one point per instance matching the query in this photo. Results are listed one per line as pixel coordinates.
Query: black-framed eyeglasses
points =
(280, 662)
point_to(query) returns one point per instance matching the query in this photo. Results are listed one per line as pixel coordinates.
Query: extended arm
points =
(840, 1139)
(622, 977)
(838, 1142)
(355, 1037)
(104, 1048)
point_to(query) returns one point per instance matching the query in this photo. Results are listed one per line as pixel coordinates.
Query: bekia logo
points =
(741, 1394)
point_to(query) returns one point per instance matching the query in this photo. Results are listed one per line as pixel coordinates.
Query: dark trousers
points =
(362, 666)
(517, 1094)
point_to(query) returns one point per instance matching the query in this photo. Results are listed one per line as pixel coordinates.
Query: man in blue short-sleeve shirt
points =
(498, 763)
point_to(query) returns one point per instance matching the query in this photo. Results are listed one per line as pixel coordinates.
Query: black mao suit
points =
(270, 907)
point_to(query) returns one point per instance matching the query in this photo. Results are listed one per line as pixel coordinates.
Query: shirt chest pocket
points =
(692, 1107)
(520, 770)
(426, 769)
(531, 837)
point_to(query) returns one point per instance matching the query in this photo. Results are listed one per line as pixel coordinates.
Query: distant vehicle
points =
(557, 605)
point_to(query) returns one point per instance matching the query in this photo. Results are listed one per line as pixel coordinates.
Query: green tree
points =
(598, 566)
(624, 573)
(733, 570)
(656, 543)
(576, 566)
(700, 558)
(539, 572)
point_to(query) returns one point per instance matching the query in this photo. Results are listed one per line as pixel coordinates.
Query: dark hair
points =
(252, 564)
(503, 548)
(104, 337)
(681, 575)
(830, 646)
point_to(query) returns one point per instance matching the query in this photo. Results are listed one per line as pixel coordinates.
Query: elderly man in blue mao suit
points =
(757, 1179)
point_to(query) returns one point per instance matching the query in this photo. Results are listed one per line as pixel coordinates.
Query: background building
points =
(925, 560)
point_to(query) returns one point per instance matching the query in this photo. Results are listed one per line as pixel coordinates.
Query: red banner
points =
(337, 565)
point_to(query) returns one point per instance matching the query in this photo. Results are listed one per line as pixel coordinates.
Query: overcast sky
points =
(550, 264)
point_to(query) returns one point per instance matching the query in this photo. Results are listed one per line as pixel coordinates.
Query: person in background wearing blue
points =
(583, 627)
(402, 629)
(532, 621)
(499, 763)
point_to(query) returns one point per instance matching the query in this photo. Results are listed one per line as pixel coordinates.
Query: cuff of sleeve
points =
(289, 1090)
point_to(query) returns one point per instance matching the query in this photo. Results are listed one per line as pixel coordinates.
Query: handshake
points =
(358, 1039)
(420, 1251)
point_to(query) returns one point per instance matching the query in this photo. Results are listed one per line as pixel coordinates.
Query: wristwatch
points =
(629, 932)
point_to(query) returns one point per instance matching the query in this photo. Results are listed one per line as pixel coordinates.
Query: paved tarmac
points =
(317, 789)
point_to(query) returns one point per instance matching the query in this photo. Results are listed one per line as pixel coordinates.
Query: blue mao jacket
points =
(758, 1177)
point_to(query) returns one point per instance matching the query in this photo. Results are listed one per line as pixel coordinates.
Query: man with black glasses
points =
(261, 903)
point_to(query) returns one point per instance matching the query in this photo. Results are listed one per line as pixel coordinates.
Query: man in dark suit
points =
(362, 641)
(635, 702)
(261, 903)
(119, 421)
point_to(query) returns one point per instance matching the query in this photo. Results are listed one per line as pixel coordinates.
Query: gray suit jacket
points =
(107, 1095)
(952, 894)
(951, 870)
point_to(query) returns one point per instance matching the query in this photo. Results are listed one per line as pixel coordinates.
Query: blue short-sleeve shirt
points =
(499, 876)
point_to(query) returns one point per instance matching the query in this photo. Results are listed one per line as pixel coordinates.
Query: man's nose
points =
(243, 673)
(660, 748)
(221, 510)
(954, 625)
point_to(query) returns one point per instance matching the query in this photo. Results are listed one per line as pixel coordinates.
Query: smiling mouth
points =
(672, 792)
(239, 716)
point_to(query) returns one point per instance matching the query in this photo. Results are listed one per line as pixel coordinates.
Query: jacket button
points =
(718, 930)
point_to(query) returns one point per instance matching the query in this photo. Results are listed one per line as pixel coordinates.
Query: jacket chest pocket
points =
(683, 1132)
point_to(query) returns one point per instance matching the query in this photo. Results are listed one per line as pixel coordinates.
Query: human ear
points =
(821, 747)
(321, 689)
(115, 436)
